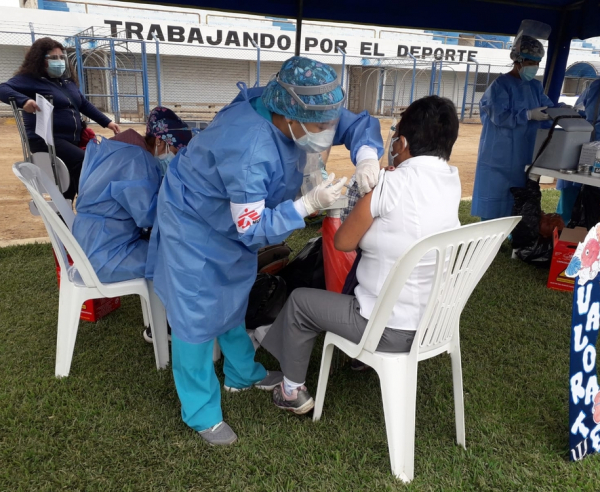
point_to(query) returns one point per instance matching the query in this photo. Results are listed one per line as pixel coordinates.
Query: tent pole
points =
(558, 53)
(299, 26)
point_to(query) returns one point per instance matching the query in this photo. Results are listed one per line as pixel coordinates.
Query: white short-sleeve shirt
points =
(421, 197)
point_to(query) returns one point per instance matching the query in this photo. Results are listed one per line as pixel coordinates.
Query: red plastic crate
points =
(93, 309)
(564, 248)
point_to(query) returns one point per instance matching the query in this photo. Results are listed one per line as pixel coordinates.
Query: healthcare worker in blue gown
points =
(118, 190)
(232, 191)
(591, 111)
(511, 111)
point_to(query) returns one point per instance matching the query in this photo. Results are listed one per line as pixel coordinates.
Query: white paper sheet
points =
(43, 119)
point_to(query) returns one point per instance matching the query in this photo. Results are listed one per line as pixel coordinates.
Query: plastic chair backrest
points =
(42, 160)
(62, 240)
(43, 184)
(462, 256)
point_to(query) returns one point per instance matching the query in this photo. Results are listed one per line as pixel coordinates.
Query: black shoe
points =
(148, 334)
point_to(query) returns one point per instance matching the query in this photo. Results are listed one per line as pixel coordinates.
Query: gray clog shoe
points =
(219, 435)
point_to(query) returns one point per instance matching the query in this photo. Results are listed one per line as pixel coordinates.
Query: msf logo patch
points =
(246, 215)
(248, 218)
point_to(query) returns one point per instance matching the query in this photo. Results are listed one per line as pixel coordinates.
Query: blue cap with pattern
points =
(163, 123)
(305, 90)
(529, 48)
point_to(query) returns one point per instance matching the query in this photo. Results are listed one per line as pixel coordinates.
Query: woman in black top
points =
(46, 71)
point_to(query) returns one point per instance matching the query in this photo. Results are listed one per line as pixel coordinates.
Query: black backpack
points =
(266, 300)
(306, 269)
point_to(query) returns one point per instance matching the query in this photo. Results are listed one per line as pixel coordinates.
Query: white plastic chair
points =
(80, 282)
(63, 207)
(463, 255)
(43, 184)
(43, 161)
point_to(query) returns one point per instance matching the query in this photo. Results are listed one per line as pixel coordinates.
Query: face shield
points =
(314, 137)
(58, 65)
(170, 139)
(312, 90)
(314, 170)
(529, 29)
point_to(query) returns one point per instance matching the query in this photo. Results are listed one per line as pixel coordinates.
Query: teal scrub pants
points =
(568, 197)
(195, 379)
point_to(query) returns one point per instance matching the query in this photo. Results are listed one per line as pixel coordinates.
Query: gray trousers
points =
(309, 312)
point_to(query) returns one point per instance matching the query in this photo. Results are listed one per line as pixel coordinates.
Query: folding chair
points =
(52, 165)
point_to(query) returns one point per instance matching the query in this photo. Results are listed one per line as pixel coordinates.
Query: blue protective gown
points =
(506, 145)
(568, 189)
(205, 268)
(589, 104)
(118, 191)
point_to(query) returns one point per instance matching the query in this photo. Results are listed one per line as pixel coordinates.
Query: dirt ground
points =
(16, 223)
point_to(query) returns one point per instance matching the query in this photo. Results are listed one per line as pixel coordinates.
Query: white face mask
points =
(314, 142)
(391, 156)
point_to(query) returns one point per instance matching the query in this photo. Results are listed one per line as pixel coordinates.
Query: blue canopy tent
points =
(568, 18)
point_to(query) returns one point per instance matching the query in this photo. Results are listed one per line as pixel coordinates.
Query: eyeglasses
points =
(56, 57)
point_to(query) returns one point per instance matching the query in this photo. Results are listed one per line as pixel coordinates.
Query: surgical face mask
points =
(528, 73)
(56, 68)
(391, 156)
(314, 142)
(164, 159)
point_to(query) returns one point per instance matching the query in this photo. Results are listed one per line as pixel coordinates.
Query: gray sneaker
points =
(272, 379)
(219, 435)
(299, 402)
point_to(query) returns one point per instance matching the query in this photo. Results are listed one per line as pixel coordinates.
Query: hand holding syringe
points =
(324, 195)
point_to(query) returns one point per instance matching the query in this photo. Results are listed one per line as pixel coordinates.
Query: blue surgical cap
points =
(301, 71)
(528, 48)
(163, 123)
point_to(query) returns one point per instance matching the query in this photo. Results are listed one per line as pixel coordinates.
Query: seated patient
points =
(118, 190)
(417, 195)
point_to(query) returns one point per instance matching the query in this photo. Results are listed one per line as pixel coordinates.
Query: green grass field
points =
(114, 423)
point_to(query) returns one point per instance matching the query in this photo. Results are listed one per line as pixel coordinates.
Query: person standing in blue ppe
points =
(511, 111)
(592, 107)
(590, 101)
(231, 192)
(118, 191)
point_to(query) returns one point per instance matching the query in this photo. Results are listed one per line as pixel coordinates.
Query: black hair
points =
(430, 125)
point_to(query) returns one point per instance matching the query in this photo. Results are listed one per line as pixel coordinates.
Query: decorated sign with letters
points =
(232, 37)
(584, 392)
